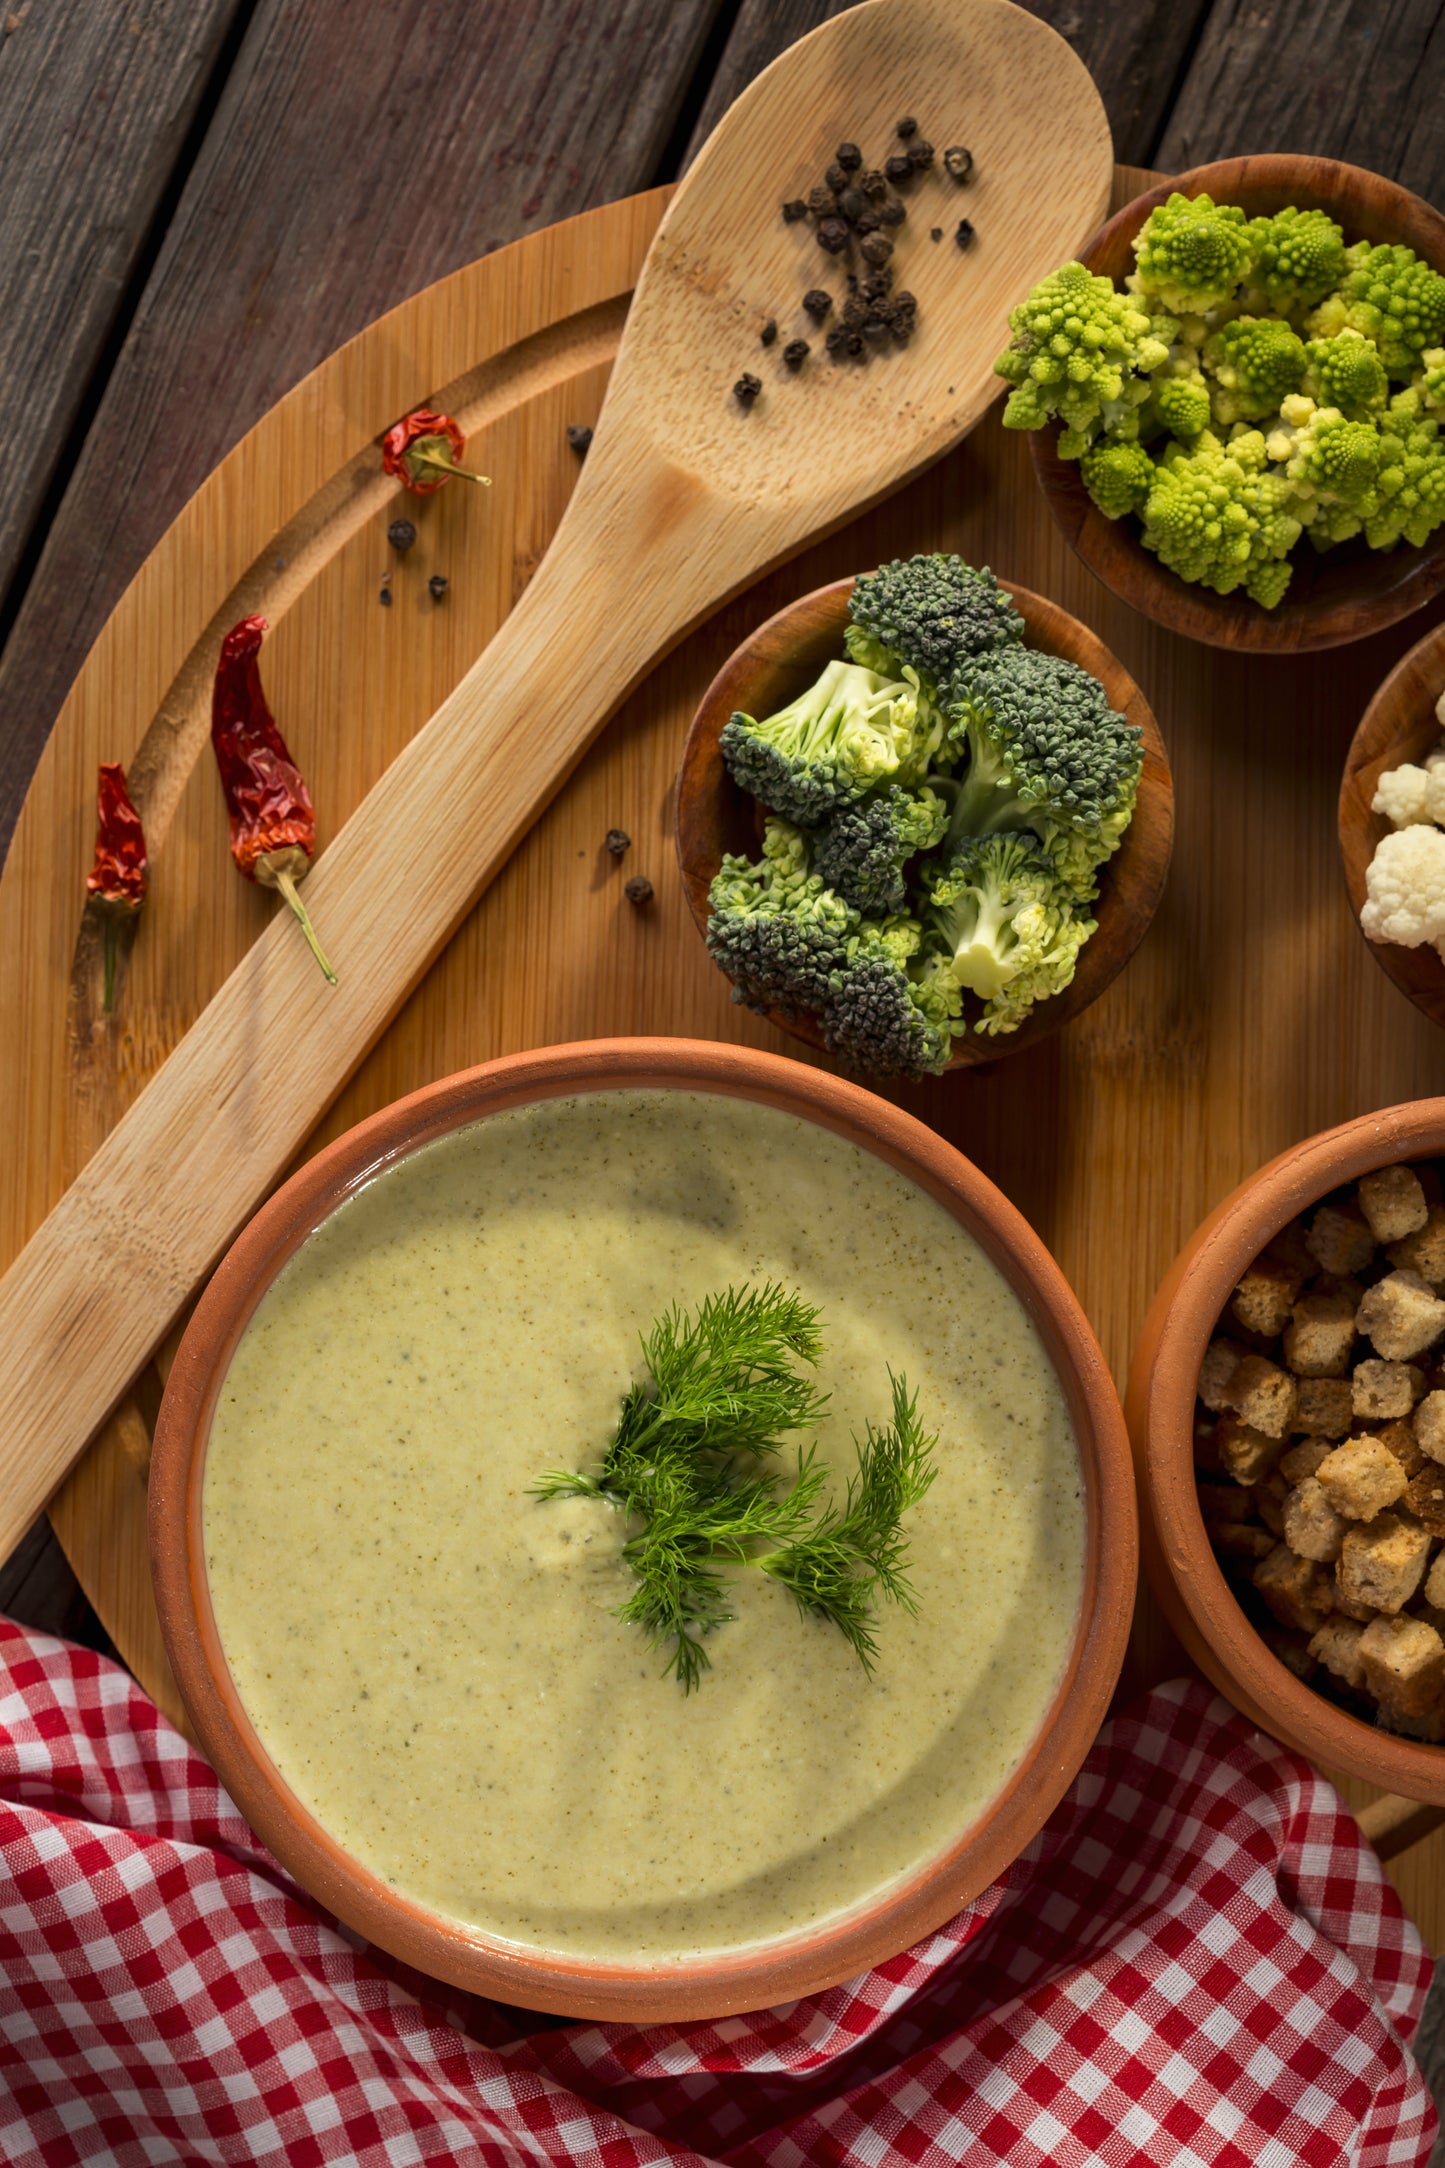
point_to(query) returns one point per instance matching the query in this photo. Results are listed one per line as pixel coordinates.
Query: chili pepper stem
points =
(287, 886)
(110, 942)
(435, 462)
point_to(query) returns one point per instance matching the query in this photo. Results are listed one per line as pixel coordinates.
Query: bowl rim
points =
(1159, 1405)
(1141, 863)
(763, 1974)
(1111, 549)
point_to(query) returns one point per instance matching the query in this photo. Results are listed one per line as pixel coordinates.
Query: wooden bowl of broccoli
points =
(922, 820)
(1247, 444)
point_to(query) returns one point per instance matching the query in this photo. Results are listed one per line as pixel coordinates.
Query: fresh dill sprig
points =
(721, 1388)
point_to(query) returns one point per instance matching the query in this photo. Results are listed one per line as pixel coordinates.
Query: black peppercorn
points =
(836, 178)
(769, 332)
(873, 184)
(907, 127)
(964, 233)
(899, 167)
(892, 212)
(958, 162)
(869, 222)
(836, 341)
(817, 303)
(580, 439)
(436, 586)
(855, 343)
(877, 248)
(935, 233)
(794, 209)
(905, 303)
(746, 389)
(796, 352)
(638, 890)
(850, 158)
(822, 202)
(876, 328)
(853, 204)
(833, 235)
(877, 284)
(617, 841)
(920, 155)
(401, 534)
(854, 311)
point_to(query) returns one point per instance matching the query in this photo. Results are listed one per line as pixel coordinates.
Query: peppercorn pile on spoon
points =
(687, 495)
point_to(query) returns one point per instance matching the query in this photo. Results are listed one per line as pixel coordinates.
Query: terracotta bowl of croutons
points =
(1286, 1405)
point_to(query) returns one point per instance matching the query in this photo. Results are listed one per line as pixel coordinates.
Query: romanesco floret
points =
(1002, 926)
(1191, 254)
(1405, 888)
(1118, 476)
(862, 850)
(1217, 516)
(1410, 501)
(851, 731)
(1331, 465)
(1255, 361)
(1180, 405)
(1081, 352)
(1388, 295)
(1410, 793)
(924, 613)
(1430, 381)
(1299, 256)
(1346, 372)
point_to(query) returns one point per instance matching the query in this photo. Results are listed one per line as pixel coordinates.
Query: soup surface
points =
(429, 1653)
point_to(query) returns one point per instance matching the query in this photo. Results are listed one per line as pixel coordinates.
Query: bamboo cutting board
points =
(1252, 1016)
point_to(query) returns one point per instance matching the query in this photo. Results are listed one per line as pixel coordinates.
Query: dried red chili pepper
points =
(422, 451)
(273, 822)
(116, 883)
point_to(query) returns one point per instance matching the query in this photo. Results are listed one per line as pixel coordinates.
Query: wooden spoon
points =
(685, 498)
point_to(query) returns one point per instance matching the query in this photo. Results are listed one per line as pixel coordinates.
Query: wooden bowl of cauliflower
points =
(1309, 573)
(1392, 825)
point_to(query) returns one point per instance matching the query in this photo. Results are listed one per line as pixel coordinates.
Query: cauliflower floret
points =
(1409, 794)
(1406, 885)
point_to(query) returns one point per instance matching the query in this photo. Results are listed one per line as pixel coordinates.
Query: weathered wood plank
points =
(357, 154)
(1362, 80)
(95, 102)
(1133, 52)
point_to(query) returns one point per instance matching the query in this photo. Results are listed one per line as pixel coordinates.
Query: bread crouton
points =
(1324, 1408)
(1382, 1564)
(1434, 1590)
(1269, 1497)
(1404, 1662)
(1240, 1539)
(1361, 1478)
(1425, 1497)
(1263, 1395)
(1341, 1240)
(1311, 1525)
(1297, 1590)
(1401, 1316)
(1320, 1334)
(1246, 1454)
(1264, 1298)
(1221, 1359)
(1423, 1251)
(1400, 1438)
(1304, 1459)
(1336, 1645)
(1429, 1425)
(1349, 1605)
(1393, 1203)
(1381, 1391)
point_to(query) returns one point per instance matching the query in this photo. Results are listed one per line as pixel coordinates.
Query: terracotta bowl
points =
(782, 658)
(1348, 592)
(763, 1974)
(1159, 1405)
(1400, 724)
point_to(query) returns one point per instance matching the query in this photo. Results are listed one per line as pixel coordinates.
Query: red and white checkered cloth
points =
(1198, 1961)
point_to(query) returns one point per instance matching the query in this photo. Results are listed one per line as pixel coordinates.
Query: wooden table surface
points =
(204, 199)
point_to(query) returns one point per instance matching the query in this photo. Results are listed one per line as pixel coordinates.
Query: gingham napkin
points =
(1198, 1961)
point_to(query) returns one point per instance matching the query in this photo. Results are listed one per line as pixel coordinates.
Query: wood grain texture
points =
(682, 499)
(781, 659)
(358, 154)
(1134, 54)
(1362, 80)
(94, 104)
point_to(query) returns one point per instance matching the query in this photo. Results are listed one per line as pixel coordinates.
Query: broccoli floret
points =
(1430, 381)
(1255, 362)
(1000, 924)
(925, 614)
(849, 732)
(1046, 752)
(1346, 372)
(1299, 256)
(1191, 253)
(1220, 518)
(1082, 353)
(1332, 466)
(1387, 294)
(1117, 476)
(780, 935)
(1410, 499)
(882, 1018)
(862, 850)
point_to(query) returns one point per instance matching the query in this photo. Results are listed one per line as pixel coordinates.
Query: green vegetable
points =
(1388, 295)
(850, 731)
(1220, 517)
(861, 852)
(1118, 476)
(1001, 924)
(926, 613)
(1332, 464)
(1299, 256)
(1081, 352)
(1346, 372)
(1192, 254)
(1430, 381)
(1410, 501)
(1179, 404)
(689, 1465)
(882, 1018)
(1255, 361)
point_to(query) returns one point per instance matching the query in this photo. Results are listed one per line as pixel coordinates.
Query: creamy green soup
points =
(429, 1653)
